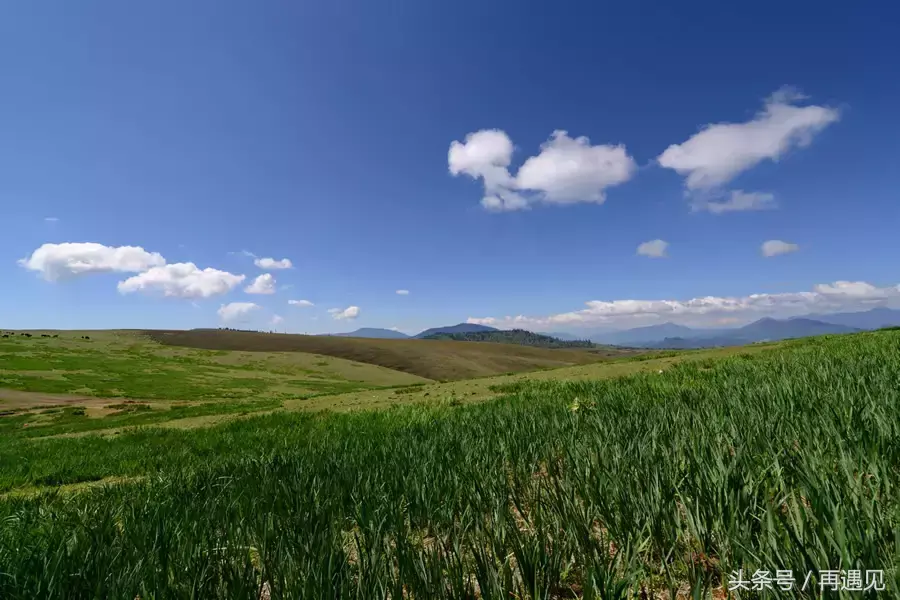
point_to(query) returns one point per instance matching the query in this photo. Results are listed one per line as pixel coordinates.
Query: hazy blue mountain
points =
(373, 332)
(763, 330)
(649, 334)
(867, 319)
(459, 328)
(562, 335)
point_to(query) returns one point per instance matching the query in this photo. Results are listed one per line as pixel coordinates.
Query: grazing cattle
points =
(87, 337)
(6, 336)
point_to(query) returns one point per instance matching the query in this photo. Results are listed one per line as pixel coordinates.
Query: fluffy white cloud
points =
(571, 170)
(775, 247)
(402, 292)
(489, 321)
(270, 264)
(236, 310)
(858, 290)
(486, 155)
(566, 170)
(710, 310)
(351, 312)
(736, 201)
(70, 259)
(264, 284)
(277, 319)
(721, 151)
(653, 249)
(301, 303)
(182, 280)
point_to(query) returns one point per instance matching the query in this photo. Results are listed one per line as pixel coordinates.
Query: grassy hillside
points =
(440, 360)
(512, 336)
(126, 365)
(783, 458)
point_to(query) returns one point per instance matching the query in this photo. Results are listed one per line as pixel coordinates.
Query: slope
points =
(440, 360)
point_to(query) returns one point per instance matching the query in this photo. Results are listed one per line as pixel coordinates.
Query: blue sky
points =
(321, 133)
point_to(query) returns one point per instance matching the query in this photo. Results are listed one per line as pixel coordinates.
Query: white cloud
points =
(776, 247)
(566, 170)
(236, 310)
(244, 253)
(402, 292)
(351, 312)
(51, 219)
(277, 319)
(264, 284)
(709, 310)
(855, 290)
(486, 155)
(484, 321)
(737, 200)
(301, 303)
(270, 264)
(70, 259)
(721, 151)
(182, 280)
(653, 249)
(571, 170)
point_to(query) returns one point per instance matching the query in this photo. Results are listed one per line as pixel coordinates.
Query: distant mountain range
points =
(373, 332)
(672, 335)
(390, 334)
(764, 330)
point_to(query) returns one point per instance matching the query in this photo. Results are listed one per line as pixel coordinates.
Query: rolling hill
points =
(433, 359)
(373, 333)
(513, 336)
(459, 328)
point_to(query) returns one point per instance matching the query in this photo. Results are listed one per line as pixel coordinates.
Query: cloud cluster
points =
(722, 151)
(776, 247)
(570, 170)
(264, 284)
(351, 312)
(181, 280)
(62, 261)
(567, 170)
(653, 249)
(270, 264)
(839, 295)
(57, 262)
(236, 310)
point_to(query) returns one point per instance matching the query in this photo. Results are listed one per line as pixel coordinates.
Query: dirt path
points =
(17, 399)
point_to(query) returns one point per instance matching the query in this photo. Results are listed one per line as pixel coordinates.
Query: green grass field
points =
(130, 365)
(610, 480)
(432, 359)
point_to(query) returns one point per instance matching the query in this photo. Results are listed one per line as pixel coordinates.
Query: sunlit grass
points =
(786, 459)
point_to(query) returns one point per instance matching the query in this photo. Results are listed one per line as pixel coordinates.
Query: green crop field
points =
(564, 485)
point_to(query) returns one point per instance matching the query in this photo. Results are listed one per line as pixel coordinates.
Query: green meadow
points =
(621, 482)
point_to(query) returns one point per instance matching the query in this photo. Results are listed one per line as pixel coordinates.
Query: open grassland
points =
(432, 359)
(117, 364)
(660, 484)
